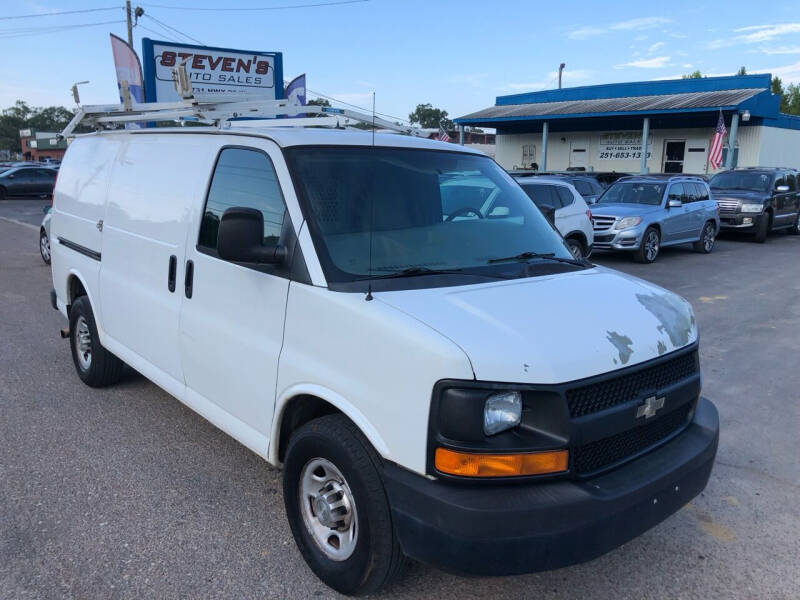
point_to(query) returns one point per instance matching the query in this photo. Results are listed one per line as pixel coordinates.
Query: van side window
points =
(243, 178)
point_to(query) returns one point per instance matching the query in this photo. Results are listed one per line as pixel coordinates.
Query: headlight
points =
(502, 411)
(628, 222)
(752, 208)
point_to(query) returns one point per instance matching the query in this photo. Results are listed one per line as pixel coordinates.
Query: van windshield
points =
(633, 192)
(426, 211)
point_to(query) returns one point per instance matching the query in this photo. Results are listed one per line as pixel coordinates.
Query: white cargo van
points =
(433, 384)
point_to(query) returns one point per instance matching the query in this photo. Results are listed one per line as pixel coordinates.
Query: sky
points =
(455, 54)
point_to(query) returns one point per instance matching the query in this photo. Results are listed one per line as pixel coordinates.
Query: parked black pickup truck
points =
(758, 200)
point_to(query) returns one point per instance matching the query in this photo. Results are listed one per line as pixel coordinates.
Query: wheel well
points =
(578, 235)
(655, 226)
(75, 289)
(299, 411)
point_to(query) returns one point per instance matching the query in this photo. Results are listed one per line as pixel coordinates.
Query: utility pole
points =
(130, 23)
(560, 69)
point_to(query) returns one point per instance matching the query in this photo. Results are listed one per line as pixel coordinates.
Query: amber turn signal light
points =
(467, 464)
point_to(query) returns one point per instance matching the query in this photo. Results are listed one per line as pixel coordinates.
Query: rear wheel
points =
(95, 365)
(575, 247)
(337, 506)
(795, 229)
(760, 236)
(707, 239)
(44, 246)
(650, 246)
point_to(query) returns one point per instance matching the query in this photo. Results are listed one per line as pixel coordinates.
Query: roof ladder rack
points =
(217, 113)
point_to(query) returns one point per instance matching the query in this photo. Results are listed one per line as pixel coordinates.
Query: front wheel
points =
(44, 246)
(648, 249)
(760, 236)
(707, 238)
(337, 506)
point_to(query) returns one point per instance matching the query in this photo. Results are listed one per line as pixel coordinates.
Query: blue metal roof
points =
(666, 98)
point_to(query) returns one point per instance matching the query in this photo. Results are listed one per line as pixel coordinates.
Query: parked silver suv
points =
(642, 213)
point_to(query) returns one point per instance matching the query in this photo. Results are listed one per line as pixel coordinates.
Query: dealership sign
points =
(215, 73)
(622, 145)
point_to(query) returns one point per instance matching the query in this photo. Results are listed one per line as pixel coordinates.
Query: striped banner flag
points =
(715, 151)
(443, 137)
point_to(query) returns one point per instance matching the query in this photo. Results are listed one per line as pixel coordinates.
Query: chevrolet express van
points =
(434, 385)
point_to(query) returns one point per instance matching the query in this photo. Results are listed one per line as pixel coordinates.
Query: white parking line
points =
(23, 223)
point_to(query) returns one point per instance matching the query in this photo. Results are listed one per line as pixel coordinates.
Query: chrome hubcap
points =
(328, 509)
(44, 247)
(708, 238)
(651, 245)
(83, 343)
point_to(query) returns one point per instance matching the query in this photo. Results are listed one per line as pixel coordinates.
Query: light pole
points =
(560, 69)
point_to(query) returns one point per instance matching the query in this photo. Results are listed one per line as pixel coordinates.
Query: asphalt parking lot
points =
(125, 493)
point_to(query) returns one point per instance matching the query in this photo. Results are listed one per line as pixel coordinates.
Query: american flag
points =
(443, 137)
(715, 151)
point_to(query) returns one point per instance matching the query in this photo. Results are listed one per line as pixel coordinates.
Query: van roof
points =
(303, 136)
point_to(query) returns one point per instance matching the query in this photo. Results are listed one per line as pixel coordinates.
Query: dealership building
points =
(601, 127)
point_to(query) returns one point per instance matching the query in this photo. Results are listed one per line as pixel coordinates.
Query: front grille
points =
(605, 394)
(728, 205)
(602, 453)
(600, 223)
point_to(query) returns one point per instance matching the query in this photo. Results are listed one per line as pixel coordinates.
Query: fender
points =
(98, 321)
(332, 398)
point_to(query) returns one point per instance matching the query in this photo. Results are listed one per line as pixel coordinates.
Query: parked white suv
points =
(562, 203)
(432, 380)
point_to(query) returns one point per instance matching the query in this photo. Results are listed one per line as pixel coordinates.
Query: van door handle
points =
(188, 279)
(173, 267)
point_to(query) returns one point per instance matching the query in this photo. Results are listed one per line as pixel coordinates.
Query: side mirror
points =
(782, 188)
(674, 202)
(11, 176)
(240, 238)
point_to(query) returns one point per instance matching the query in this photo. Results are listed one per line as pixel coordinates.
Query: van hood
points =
(554, 329)
(612, 209)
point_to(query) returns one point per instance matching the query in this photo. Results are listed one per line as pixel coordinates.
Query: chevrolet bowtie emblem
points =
(650, 407)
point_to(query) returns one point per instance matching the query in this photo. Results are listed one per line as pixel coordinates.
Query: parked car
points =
(565, 207)
(27, 181)
(643, 213)
(44, 235)
(758, 200)
(590, 184)
(434, 385)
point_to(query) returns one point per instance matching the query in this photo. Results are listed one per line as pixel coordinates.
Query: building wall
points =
(779, 147)
(561, 149)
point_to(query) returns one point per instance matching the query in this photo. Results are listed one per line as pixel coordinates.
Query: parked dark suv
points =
(758, 200)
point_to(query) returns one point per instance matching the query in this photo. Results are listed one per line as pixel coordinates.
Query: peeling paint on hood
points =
(554, 328)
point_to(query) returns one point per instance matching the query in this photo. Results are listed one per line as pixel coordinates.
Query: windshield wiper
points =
(525, 256)
(417, 271)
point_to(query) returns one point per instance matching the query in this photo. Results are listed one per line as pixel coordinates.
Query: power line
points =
(251, 9)
(173, 29)
(170, 37)
(62, 12)
(13, 33)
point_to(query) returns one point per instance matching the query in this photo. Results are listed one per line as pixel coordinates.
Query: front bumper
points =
(612, 239)
(740, 221)
(505, 529)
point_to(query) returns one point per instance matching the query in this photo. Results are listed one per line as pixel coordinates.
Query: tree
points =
(696, 75)
(741, 71)
(429, 117)
(776, 86)
(24, 116)
(318, 102)
(790, 101)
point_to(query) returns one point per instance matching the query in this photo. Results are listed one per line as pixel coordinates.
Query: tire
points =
(795, 229)
(760, 236)
(707, 239)
(331, 450)
(575, 248)
(44, 246)
(95, 365)
(650, 246)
